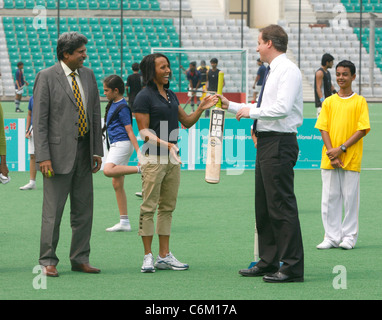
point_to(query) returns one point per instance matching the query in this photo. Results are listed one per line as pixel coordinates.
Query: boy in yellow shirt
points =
(343, 122)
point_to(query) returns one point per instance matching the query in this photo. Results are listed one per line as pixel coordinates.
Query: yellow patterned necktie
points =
(81, 114)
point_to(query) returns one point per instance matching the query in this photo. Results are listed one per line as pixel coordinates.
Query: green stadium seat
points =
(114, 5)
(93, 5)
(19, 4)
(8, 4)
(93, 21)
(128, 28)
(51, 4)
(115, 22)
(168, 22)
(378, 7)
(147, 22)
(109, 71)
(157, 22)
(149, 28)
(82, 5)
(116, 28)
(72, 5)
(139, 28)
(134, 5)
(29, 4)
(22, 42)
(103, 5)
(145, 5)
(141, 36)
(154, 6)
(143, 42)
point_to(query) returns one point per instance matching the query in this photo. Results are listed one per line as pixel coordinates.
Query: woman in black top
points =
(157, 111)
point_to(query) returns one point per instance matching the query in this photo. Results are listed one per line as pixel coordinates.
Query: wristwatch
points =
(343, 147)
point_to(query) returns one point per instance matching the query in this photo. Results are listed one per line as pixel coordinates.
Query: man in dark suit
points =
(68, 143)
(277, 115)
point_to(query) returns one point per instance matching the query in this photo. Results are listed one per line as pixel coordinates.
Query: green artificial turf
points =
(213, 231)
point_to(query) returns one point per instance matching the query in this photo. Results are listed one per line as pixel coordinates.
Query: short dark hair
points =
(69, 42)
(147, 67)
(347, 64)
(135, 66)
(20, 63)
(327, 57)
(277, 35)
(214, 60)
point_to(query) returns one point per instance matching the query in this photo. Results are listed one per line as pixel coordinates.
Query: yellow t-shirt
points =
(341, 118)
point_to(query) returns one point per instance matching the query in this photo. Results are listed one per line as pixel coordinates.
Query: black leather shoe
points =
(255, 271)
(280, 277)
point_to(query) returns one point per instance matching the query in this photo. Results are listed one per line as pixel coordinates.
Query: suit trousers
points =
(276, 208)
(79, 184)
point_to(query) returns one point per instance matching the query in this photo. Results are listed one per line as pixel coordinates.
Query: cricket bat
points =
(215, 138)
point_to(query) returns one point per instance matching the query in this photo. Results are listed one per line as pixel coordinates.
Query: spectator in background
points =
(20, 82)
(133, 85)
(323, 86)
(29, 135)
(203, 69)
(194, 79)
(212, 80)
(259, 79)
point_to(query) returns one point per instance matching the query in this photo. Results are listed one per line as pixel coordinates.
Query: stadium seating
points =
(140, 33)
(36, 48)
(84, 4)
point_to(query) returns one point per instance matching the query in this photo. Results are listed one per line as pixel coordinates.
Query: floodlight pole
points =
(242, 23)
(180, 45)
(58, 19)
(372, 50)
(121, 37)
(299, 33)
(360, 48)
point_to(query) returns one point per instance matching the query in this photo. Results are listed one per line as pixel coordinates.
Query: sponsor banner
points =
(239, 152)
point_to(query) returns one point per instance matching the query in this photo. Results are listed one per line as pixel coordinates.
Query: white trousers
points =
(340, 193)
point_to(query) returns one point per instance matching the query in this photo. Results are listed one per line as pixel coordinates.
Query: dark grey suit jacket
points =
(55, 117)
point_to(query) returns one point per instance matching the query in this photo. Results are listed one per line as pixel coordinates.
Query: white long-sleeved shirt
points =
(281, 108)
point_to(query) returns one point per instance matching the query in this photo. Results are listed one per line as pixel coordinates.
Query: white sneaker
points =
(326, 244)
(28, 186)
(170, 262)
(138, 194)
(119, 227)
(148, 263)
(4, 179)
(345, 245)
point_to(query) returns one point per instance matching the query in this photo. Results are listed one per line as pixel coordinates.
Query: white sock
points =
(32, 182)
(124, 220)
(139, 169)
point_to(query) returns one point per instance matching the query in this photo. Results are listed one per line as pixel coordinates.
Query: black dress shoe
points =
(280, 277)
(255, 271)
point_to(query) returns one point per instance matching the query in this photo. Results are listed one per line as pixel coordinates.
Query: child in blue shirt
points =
(118, 123)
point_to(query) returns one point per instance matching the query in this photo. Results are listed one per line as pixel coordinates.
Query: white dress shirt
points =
(281, 107)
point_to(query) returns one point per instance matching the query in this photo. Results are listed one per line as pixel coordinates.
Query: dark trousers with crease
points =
(276, 208)
(79, 185)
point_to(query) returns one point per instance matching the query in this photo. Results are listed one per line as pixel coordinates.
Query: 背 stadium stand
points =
(326, 26)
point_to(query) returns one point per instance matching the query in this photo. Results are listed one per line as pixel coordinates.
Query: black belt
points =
(84, 137)
(265, 134)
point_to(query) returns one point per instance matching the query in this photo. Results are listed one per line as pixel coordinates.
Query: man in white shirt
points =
(277, 115)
